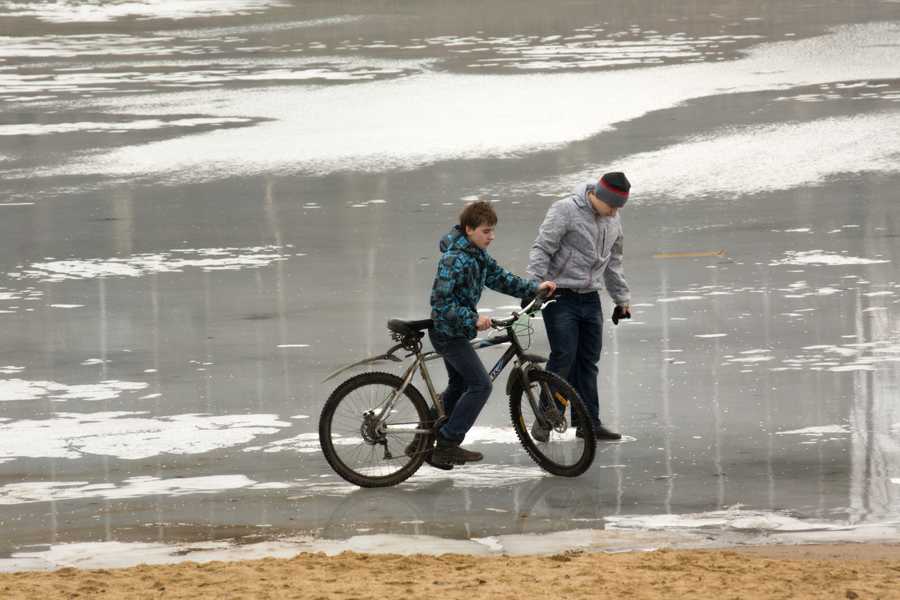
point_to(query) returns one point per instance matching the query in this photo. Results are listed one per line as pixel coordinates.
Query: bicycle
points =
(376, 428)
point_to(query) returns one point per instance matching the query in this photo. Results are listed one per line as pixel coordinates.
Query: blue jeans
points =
(575, 331)
(469, 385)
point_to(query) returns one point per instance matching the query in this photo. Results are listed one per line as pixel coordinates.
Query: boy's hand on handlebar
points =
(483, 323)
(547, 285)
(544, 289)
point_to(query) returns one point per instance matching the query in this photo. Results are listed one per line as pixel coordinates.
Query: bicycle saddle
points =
(405, 327)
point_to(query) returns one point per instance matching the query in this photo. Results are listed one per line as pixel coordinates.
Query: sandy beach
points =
(815, 571)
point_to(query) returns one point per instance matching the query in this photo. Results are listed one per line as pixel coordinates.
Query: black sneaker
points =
(410, 450)
(448, 452)
(601, 433)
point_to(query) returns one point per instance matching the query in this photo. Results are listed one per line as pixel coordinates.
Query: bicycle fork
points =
(546, 406)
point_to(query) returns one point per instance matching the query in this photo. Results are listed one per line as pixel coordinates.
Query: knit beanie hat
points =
(613, 189)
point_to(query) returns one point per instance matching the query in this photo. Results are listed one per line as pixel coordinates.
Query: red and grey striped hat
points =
(613, 189)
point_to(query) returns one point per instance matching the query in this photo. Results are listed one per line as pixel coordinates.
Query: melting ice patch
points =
(118, 126)
(732, 519)
(208, 259)
(76, 11)
(819, 257)
(589, 47)
(20, 389)
(128, 436)
(166, 77)
(469, 117)
(737, 160)
(818, 431)
(308, 443)
(134, 487)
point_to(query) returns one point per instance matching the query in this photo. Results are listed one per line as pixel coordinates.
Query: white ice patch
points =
(128, 436)
(820, 257)
(470, 117)
(208, 259)
(680, 299)
(20, 389)
(117, 126)
(732, 519)
(864, 356)
(305, 443)
(77, 11)
(737, 160)
(818, 431)
(134, 487)
(492, 435)
(308, 443)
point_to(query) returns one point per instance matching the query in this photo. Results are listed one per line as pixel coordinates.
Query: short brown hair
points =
(477, 214)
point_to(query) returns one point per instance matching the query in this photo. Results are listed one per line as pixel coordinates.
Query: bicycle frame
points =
(418, 365)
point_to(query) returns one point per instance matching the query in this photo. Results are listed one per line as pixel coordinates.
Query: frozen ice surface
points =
(210, 206)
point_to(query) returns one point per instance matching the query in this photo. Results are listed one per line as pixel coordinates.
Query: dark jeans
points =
(469, 384)
(575, 331)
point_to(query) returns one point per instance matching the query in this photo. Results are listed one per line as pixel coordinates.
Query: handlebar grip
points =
(542, 295)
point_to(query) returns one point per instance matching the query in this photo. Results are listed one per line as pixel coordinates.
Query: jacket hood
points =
(456, 239)
(580, 193)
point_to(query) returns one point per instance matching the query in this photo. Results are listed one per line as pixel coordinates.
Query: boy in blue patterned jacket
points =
(465, 269)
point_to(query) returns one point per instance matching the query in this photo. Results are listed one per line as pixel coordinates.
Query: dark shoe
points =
(539, 432)
(410, 450)
(449, 452)
(601, 433)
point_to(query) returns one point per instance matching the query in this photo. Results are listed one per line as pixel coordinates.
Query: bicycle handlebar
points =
(533, 306)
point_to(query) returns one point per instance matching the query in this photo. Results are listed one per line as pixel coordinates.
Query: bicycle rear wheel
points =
(560, 450)
(361, 450)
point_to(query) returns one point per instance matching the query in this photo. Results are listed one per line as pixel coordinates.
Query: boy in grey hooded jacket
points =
(579, 247)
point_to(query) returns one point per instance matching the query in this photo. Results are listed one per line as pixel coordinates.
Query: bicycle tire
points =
(359, 454)
(564, 453)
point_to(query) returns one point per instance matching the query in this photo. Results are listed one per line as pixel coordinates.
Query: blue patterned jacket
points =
(462, 274)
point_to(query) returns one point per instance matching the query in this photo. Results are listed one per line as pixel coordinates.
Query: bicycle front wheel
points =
(368, 452)
(543, 426)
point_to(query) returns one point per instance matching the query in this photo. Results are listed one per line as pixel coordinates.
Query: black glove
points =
(618, 313)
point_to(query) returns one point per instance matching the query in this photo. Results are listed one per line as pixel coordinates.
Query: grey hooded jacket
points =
(578, 249)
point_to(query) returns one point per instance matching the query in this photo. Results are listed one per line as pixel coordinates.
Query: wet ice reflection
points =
(184, 265)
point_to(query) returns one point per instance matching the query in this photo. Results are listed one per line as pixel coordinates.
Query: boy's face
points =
(602, 208)
(481, 236)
